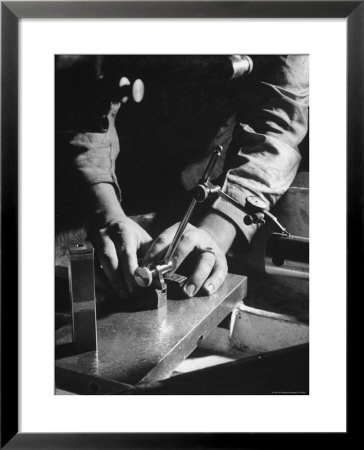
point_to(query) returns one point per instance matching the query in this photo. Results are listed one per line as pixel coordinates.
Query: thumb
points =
(160, 245)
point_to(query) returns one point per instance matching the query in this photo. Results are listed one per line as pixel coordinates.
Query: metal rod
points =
(182, 226)
(277, 224)
(291, 238)
(266, 213)
(231, 200)
(301, 273)
(210, 166)
(179, 233)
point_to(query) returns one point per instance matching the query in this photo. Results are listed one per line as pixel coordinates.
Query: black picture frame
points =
(11, 12)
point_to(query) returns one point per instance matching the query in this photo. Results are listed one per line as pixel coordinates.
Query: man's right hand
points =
(118, 240)
(118, 245)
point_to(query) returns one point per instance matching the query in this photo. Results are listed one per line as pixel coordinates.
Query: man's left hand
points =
(211, 266)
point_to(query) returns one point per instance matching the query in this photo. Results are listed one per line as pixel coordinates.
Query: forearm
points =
(104, 206)
(221, 228)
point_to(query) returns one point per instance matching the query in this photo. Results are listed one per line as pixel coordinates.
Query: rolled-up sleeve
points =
(264, 157)
(94, 154)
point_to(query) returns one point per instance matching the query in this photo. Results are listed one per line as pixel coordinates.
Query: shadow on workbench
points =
(280, 372)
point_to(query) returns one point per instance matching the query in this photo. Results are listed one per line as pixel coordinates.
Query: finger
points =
(204, 267)
(217, 276)
(144, 244)
(160, 245)
(108, 257)
(143, 247)
(127, 254)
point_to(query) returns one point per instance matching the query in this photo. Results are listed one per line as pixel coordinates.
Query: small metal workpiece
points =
(81, 278)
(153, 280)
(157, 279)
(145, 276)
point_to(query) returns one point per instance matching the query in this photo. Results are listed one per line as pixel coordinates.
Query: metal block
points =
(81, 276)
(153, 298)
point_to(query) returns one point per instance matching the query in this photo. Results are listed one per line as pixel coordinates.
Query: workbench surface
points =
(143, 346)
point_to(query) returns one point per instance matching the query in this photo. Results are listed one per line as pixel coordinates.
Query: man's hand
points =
(118, 240)
(211, 267)
(118, 244)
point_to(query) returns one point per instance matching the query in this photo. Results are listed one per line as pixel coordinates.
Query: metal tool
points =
(154, 278)
(152, 275)
(145, 276)
(255, 208)
(287, 256)
(81, 278)
(183, 224)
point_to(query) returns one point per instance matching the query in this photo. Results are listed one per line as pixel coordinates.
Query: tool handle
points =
(210, 166)
(183, 224)
(180, 230)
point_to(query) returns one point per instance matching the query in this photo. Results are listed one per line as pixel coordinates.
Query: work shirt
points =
(164, 143)
(265, 137)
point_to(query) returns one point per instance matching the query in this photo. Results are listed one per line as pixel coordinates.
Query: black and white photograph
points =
(181, 215)
(181, 224)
